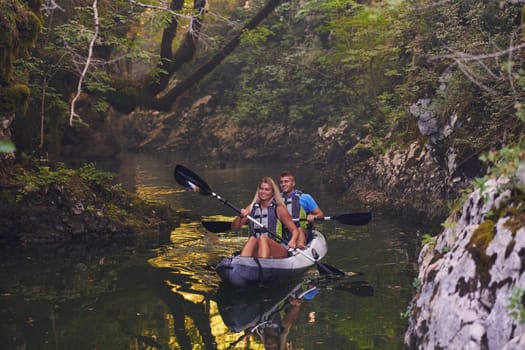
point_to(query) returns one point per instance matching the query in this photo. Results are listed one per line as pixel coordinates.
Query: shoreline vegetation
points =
(46, 203)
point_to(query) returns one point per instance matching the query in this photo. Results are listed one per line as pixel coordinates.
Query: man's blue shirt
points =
(306, 201)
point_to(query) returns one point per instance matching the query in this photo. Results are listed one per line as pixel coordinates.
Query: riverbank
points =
(46, 203)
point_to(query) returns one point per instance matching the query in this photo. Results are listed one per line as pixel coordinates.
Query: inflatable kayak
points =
(241, 271)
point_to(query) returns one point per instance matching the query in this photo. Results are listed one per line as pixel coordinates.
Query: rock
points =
(427, 121)
(470, 277)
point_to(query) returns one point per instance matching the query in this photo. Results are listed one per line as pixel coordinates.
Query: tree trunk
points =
(165, 102)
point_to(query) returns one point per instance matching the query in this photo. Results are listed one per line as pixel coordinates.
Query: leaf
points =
(7, 146)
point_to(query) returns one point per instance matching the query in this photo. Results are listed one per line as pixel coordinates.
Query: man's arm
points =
(310, 206)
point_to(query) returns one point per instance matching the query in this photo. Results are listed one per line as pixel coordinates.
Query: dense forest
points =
(373, 65)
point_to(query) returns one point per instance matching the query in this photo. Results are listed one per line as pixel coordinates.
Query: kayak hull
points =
(243, 272)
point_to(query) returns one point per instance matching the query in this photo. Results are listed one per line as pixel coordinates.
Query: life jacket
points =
(297, 213)
(267, 217)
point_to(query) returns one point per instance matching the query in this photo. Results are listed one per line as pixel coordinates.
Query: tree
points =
(84, 51)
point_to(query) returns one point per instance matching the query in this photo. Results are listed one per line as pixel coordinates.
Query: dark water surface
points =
(151, 295)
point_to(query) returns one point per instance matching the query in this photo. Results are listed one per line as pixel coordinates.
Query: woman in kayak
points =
(266, 208)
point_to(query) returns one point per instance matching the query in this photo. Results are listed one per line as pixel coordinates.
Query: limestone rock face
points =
(472, 280)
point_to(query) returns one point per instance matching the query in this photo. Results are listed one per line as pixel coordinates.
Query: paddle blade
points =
(217, 226)
(325, 269)
(191, 181)
(353, 218)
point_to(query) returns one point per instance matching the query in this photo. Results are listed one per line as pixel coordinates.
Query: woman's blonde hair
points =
(276, 192)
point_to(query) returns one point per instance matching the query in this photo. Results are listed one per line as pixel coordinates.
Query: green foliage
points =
(321, 62)
(42, 178)
(428, 239)
(59, 54)
(477, 89)
(449, 224)
(90, 173)
(416, 283)
(45, 176)
(516, 305)
(408, 311)
(312, 63)
(255, 37)
(505, 161)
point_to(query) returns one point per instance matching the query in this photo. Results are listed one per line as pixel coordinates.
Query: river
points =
(166, 295)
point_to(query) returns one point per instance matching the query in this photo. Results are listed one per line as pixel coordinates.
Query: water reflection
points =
(265, 316)
(151, 295)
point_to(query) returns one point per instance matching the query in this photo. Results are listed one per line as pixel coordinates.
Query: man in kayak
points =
(301, 206)
(267, 208)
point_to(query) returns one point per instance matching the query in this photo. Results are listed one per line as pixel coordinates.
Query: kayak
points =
(243, 272)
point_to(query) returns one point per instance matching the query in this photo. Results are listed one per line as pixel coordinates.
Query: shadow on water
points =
(168, 296)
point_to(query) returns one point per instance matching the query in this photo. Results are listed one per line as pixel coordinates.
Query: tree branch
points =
(165, 102)
(73, 114)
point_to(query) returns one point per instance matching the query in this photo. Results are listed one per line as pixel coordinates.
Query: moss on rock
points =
(480, 240)
(14, 98)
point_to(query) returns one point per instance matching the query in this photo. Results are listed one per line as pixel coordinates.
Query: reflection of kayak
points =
(243, 272)
(243, 309)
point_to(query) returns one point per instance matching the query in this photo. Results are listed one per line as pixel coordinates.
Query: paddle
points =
(191, 181)
(347, 219)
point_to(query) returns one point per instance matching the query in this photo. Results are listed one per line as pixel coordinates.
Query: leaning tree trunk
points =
(165, 102)
(171, 62)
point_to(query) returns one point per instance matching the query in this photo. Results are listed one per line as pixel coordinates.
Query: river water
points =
(165, 294)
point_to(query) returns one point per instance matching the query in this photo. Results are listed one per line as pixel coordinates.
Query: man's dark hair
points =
(287, 173)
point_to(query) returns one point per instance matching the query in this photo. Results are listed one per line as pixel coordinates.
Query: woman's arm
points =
(240, 220)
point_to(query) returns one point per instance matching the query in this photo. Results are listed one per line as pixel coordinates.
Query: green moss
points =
(14, 98)
(480, 240)
(8, 39)
(482, 236)
(19, 29)
(29, 26)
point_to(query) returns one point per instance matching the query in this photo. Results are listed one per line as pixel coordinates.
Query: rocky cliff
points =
(471, 279)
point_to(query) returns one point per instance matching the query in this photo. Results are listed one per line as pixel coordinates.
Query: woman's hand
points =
(240, 219)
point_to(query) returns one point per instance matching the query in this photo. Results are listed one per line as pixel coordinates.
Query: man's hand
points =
(310, 218)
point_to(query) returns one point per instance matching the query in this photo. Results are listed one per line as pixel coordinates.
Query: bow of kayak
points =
(242, 272)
